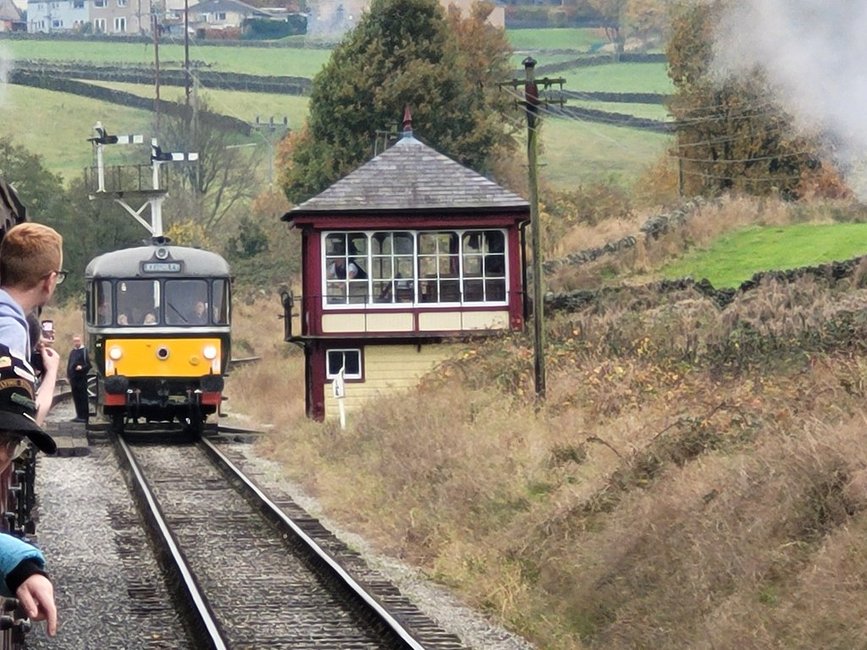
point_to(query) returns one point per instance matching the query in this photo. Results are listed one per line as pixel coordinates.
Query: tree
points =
(225, 174)
(404, 52)
(90, 227)
(731, 135)
(612, 14)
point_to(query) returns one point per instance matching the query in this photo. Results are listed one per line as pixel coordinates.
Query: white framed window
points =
(414, 268)
(121, 3)
(100, 3)
(221, 15)
(347, 358)
(99, 25)
(120, 24)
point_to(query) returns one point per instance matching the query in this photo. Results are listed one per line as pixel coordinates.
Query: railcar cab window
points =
(425, 268)
(187, 302)
(138, 302)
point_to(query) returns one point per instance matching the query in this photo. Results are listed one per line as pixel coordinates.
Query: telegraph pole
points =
(272, 133)
(531, 105)
(187, 53)
(156, 32)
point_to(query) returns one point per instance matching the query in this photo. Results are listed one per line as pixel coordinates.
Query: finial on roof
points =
(407, 121)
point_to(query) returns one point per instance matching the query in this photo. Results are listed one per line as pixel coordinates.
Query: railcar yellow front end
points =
(153, 375)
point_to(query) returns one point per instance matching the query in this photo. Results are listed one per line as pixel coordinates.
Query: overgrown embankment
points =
(696, 476)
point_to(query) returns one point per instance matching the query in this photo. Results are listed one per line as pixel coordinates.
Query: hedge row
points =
(22, 78)
(168, 77)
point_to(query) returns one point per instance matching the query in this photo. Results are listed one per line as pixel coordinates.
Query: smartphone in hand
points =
(48, 330)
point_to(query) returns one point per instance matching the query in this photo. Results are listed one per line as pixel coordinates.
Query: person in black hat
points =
(18, 403)
(22, 565)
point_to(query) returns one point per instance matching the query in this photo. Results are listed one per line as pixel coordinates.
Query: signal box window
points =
(425, 268)
(346, 268)
(349, 360)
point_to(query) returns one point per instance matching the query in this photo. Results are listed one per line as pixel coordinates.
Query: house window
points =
(120, 24)
(221, 15)
(121, 3)
(349, 360)
(424, 268)
(99, 25)
(78, 4)
(100, 3)
(56, 24)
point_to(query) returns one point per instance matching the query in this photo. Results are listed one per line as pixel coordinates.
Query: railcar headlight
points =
(210, 352)
(115, 352)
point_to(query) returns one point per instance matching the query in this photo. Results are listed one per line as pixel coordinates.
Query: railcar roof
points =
(127, 262)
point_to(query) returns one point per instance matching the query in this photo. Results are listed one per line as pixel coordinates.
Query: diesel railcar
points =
(158, 322)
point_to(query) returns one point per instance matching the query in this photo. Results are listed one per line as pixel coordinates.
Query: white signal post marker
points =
(338, 389)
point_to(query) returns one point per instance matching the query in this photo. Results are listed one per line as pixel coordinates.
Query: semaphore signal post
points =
(122, 182)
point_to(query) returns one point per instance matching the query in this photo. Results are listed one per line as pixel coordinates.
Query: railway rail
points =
(251, 572)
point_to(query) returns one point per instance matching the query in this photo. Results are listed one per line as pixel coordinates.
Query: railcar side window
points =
(349, 360)
(187, 302)
(221, 302)
(101, 301)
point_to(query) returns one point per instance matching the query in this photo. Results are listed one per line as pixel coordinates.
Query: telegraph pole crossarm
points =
(531, 104)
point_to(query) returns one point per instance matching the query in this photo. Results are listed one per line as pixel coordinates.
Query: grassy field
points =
(567, 38)
(620, 78)
(574, 152)
(735, 257)
(61, 124)
(301, 62)
(244, 106)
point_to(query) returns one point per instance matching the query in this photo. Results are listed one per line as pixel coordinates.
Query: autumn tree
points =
(731, 135)
(404, 52)
(224, 177)
(612, 13)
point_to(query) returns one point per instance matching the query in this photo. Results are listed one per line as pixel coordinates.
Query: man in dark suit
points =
(77, 368)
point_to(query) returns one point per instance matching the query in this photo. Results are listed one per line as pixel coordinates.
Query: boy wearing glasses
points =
(31, 255)
(21, 564)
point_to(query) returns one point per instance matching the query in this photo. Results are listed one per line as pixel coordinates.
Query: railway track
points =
(253, 573)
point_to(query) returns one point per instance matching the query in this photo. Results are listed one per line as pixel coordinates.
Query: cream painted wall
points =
(388, 368)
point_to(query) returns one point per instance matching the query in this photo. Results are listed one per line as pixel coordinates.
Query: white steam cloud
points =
(6, 65)
(815, 55)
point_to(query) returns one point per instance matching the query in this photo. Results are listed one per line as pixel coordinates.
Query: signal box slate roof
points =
(410, 177)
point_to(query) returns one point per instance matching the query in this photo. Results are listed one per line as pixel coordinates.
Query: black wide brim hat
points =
(17, 401)
(26, 426)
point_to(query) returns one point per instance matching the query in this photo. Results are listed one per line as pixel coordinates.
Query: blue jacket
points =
(18, 560)
(14, 332)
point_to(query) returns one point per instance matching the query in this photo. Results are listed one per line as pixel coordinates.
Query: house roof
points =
(9, 11)
(410, 176)
(211, 6)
